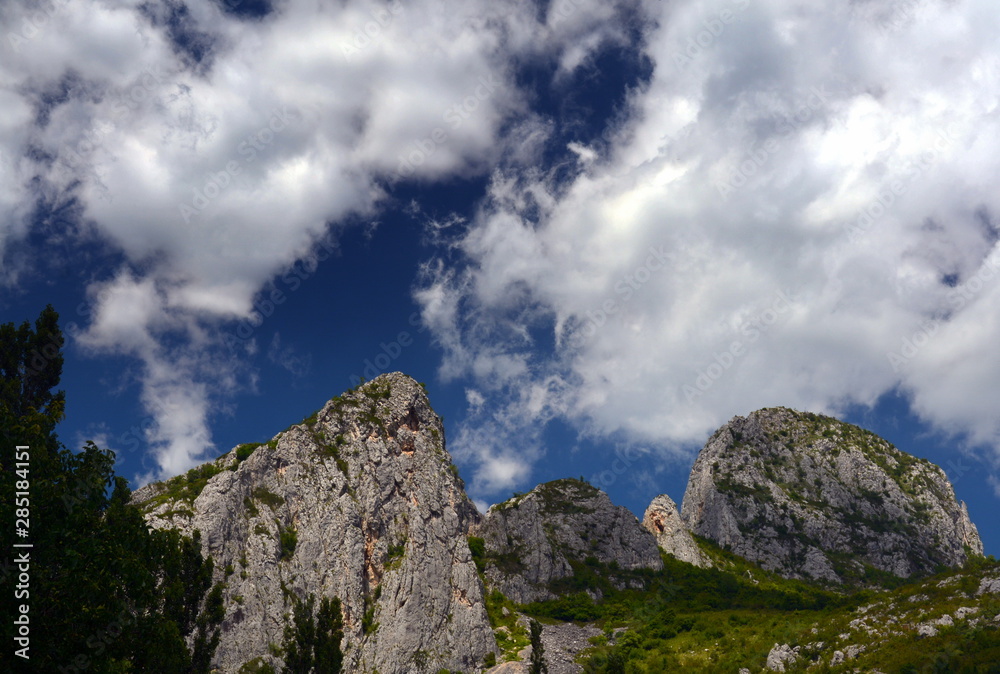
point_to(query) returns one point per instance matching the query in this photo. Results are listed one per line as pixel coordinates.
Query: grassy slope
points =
(720, 620)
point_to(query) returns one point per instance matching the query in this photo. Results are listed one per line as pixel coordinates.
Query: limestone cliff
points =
(535, 539)
(361, 502)
(664, 521)
(809, 496)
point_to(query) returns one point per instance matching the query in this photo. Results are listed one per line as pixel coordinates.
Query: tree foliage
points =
(312, 641)
(106, 594)
(537, 665)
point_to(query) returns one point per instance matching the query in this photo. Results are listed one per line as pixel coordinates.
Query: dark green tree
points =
(329, 633)
(312, 641)
(537, 664)
(106, 593)
(300, 638)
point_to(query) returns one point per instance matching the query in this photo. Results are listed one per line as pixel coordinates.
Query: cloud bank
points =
(799, 209)
(212, 150)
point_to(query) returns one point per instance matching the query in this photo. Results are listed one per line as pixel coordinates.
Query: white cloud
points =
(847, 160)
(212, 177)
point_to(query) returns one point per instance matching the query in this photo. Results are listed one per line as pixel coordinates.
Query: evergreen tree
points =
(537, 664)
(312, 642)
(300, 638)
(106, 594)
(329, 633)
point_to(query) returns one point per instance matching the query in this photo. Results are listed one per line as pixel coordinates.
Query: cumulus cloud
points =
(212, 150)
(799, 209)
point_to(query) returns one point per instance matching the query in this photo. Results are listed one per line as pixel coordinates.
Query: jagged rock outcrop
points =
(663, 520)
(359, 501)
(809, 496)
(781, 655)
(535, 539)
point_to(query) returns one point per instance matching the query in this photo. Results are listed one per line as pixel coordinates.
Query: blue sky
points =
(596, 230)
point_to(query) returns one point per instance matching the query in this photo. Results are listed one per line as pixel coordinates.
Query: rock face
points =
(664, 521)
(809, 496)
(359, 501)
(535, 539)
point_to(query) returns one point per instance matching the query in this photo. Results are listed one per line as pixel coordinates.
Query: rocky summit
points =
(663, 520)
(359, 501)
(811, 497)
(784, 511)
(534, 540)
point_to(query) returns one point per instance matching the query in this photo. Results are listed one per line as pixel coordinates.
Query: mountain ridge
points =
(361, 501)
(810, 495)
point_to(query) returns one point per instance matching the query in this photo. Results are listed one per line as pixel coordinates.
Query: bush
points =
(289, 539)
(477, 546)
(256, 666)
(268, 498)
(244, 451)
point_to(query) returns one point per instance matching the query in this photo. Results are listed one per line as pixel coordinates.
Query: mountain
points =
(535, 540)
(664, 521)
(359, 501)
(802, 543)
(812, 497)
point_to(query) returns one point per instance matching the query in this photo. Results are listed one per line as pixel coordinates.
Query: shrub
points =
(395, 556)
(477, 546)
(289, 539)
(268, 498)
(244, 451)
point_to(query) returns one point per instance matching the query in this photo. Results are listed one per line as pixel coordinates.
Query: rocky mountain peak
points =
(534, 540)
(663, 520)
(359, 501)
(809, 496)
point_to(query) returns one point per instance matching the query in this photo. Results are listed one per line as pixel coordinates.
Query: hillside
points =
(803, 544)
(361, 502)
(740, 619)
(812, 497)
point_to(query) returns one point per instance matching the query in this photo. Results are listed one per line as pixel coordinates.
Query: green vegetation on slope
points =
(730, 617)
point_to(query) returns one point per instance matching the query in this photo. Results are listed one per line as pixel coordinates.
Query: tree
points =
(312, 642)
(537, 665)
(329, 634)
(106, 594)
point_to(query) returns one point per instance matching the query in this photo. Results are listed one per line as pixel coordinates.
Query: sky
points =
(596, 230)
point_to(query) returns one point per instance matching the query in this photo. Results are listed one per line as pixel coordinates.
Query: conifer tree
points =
(537, 665)
(106, 594)
(312, 641)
